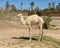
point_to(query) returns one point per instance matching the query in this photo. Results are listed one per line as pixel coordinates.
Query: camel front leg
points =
(30, 34)
(40, 32)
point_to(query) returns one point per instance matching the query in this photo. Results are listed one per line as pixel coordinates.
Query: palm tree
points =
(37, 8)
(49, 5)
(59, 4)
(13, 8)
(1, 8)
(58, 7)
(7, 8)
(53, 4)
(32, 4)
(21, 5)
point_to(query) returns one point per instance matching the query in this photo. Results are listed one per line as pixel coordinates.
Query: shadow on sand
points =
(24, 38)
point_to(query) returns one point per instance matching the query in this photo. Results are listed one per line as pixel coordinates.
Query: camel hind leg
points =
(30, 34)
(40, 32)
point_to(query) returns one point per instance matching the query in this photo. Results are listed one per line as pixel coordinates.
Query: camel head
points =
(19, 15)
(21, 18)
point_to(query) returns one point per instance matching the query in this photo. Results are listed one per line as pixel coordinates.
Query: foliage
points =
(32, 4)
(7, 6)
(21, 5)
(50, 9)
(13, 8)
(58, 7)
(46, 9)
(39, 13)
(47, 20)
(37, 9)
(47, 42)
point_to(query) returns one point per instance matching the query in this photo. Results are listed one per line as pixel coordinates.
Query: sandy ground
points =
(10, 29)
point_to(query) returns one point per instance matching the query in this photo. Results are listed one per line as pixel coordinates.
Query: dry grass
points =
(15, 35)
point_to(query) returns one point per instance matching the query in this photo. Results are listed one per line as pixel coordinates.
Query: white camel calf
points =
(31, 20)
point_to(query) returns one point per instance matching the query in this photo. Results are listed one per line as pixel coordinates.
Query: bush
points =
(47, 20)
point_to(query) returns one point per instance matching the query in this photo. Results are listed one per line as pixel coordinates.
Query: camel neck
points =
(22, 20)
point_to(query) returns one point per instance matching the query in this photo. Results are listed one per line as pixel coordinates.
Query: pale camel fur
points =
(31, 20)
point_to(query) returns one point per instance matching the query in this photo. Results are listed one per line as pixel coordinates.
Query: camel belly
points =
(32, 22)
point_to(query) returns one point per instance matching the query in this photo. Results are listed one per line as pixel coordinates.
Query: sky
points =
(26, 3)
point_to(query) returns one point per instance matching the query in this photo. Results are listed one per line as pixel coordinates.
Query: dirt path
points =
(9, 29)
(12, 29)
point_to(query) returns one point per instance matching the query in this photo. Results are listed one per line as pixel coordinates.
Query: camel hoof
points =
(30, 40)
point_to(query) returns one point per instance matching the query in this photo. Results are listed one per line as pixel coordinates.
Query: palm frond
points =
(47, 20)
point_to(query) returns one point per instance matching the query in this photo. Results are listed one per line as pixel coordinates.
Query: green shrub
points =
(47, 20)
